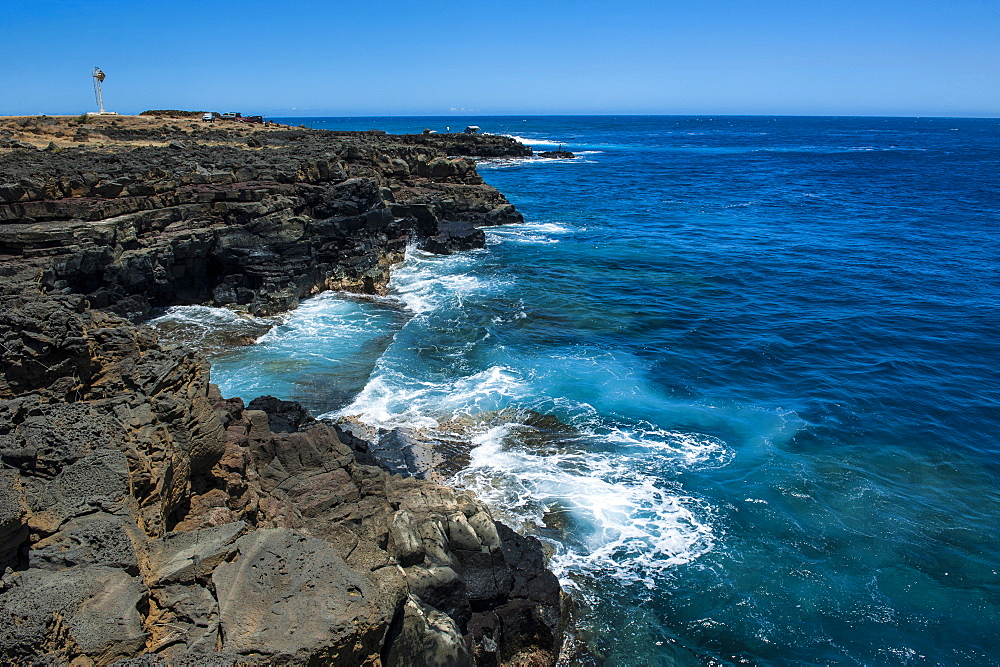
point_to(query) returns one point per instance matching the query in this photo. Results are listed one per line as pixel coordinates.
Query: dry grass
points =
(68, 131)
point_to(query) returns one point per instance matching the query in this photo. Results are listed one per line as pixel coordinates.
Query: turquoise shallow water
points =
(774, 344)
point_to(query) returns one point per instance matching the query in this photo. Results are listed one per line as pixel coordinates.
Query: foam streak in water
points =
(535, 142)
(391, 399)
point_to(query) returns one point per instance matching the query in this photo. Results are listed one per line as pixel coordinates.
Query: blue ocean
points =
(741, 375)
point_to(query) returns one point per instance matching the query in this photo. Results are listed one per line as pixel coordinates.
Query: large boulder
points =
(454, 237)
(426, 637)
(91, 611)
(291, 598)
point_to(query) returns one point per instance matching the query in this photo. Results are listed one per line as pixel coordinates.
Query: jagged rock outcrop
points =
(184, 517)
(476, 145)
(557, 154)
(147, 520)
(217, 221)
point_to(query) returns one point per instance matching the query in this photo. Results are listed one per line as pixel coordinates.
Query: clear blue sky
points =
(440, 57)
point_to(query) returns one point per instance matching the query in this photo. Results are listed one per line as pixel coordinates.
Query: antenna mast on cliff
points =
(99, 76)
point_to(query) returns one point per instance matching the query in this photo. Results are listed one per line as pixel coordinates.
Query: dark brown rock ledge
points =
(147, 520)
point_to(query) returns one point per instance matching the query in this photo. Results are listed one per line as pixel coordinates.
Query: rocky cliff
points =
(257, 218)
(144, 518)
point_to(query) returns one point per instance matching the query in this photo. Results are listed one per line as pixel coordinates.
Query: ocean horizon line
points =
(472, 114)
(642, 115)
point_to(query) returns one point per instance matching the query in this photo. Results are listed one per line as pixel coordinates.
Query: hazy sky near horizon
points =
(441, 57)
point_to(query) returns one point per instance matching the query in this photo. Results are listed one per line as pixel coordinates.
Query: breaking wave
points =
(605, 494)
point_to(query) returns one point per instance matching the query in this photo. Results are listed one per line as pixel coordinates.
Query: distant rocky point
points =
(556, 154)
(145, 519)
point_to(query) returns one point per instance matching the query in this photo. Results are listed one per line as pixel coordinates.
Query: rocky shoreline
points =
(144, 518)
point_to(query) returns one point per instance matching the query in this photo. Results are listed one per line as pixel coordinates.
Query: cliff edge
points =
(144, 518)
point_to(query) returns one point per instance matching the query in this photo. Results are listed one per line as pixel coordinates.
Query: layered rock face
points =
(259, 221)
(145, 519)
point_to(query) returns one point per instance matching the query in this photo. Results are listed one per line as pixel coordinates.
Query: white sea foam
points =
(424, 281)
(383, 403)
(329, 316)
(527, 233)
(685, 449)
(547, 227)
(506, 163)
(206, 316)
(391, 399)
(535, 142)
(535, 239)
(495, 236)
(614, 518)
(422, 294)
(209, 328)
(598, 491)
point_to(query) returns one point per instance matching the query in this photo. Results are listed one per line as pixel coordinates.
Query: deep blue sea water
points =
(775, 344)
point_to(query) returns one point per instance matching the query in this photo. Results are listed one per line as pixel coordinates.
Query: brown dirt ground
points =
(40, 131)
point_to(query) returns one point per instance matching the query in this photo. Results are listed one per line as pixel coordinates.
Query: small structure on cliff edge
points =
(99, 77)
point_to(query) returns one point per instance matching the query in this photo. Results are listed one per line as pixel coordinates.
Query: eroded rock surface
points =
(144, 518)
(212, 219)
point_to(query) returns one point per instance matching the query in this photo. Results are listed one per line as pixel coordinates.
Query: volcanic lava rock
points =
(147, 520)
(182, 221)
(454, 236)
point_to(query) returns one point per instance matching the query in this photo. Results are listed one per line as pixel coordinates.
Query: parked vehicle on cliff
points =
(209, 116)
(231, 115)
(472, 129)
(252, 119)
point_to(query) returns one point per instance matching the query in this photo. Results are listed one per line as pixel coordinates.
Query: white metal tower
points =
(99, 76)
